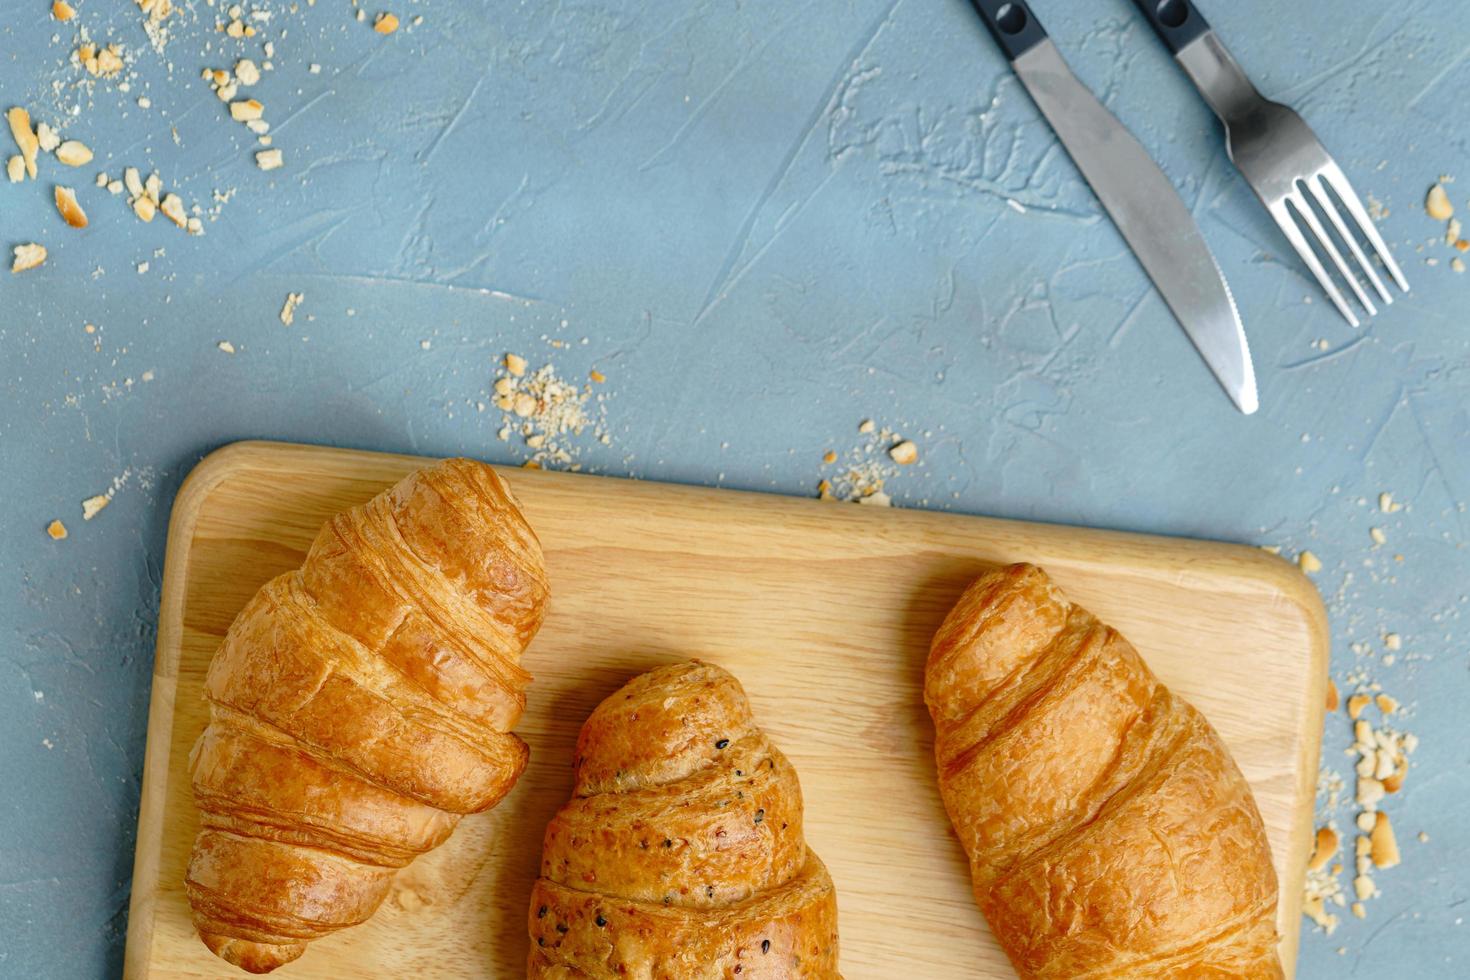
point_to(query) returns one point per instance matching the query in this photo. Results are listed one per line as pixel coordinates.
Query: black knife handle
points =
(1177, 21)
(1014, 27)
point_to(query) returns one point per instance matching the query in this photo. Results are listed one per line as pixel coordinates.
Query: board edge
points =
(206, 475)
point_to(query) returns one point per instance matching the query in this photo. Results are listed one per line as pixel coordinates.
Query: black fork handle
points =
(1178, 21)
(1015, 28)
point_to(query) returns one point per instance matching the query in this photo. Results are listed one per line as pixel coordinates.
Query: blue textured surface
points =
(769, 221)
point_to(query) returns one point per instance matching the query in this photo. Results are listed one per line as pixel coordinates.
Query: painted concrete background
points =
(769, 221)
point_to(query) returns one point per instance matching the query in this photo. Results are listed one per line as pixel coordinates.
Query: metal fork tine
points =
(1334, 176)
(1319, 191)
(1288, 226)
(1310, 217)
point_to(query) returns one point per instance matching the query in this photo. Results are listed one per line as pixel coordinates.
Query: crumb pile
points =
(1437, 205)
(549, 413)
(1382, 753)
(866, 469)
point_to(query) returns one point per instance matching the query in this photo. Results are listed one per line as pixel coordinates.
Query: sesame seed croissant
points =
(1109, 832)
(359, 706)
(681, 855)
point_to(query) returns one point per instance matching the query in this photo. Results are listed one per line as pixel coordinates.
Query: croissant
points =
(681, 855)
(1109, 832)
(358, 707)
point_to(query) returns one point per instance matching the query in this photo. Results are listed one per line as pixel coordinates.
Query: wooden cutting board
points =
(824, 611)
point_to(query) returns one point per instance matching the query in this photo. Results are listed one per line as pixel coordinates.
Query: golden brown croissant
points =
(359, 706)
(1109, 832)
(681, 855)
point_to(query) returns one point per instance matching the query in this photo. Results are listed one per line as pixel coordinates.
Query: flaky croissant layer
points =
(681, 854)
(1109, 832)
(359, 706)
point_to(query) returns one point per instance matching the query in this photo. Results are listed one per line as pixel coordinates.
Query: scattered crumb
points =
(57, 530)
(516, 365)
(1437, 204)
(386, 23)
(865, 426)
(246, 72)
(226, 346)
(63, 11)
(269, 159)
(288, 310)
(1332, 696)
(1376, 533)
(1309, 562)
(904, 453)
(1325, 849)
(25, 138)
(92, 506)
(597, 376)
(27, 257)
(1458, 264)
(1357, 703)
(66, 203)
(74, 153)
(1384, 848)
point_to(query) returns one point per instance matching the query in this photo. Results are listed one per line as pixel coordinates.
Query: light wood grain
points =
(824, 611)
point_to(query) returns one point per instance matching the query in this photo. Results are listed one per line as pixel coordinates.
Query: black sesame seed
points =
(540, 940)
(600, 920)
(541, 912)
(668, 843)
(765, 946)
(723, 743)
(760, 814)
(562, 928)
(739, 773)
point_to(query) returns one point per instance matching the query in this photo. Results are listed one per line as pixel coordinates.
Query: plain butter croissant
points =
(681, 855)
(1109, 832)
(359, 706)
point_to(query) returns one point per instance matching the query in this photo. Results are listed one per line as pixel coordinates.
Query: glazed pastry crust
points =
(681, 854)
(1109, 832)
(359, 706)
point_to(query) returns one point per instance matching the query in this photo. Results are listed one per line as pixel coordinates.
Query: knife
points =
(1138, 197)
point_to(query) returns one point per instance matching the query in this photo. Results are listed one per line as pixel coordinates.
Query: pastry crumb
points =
(269, 159)
(226, 346)
(27, 257)
(93, 506)
(904, 453)
(1437, 204)
(66, 203)
(1309, 562)
(386, 23)
(56, 530)
(74, 153)
(25, 138)
(288, 309)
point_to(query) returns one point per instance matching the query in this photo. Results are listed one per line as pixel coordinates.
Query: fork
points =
(1279, 156)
